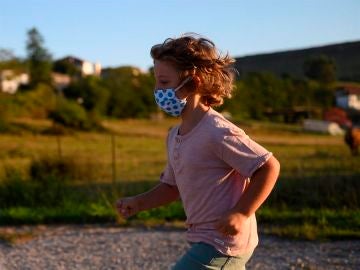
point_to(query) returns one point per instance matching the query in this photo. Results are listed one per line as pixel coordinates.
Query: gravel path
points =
(106, 247)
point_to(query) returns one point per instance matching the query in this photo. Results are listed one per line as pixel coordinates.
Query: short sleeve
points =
(243, 154)
(167, 176)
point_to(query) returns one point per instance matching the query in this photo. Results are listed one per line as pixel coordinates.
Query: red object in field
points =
(337, 115)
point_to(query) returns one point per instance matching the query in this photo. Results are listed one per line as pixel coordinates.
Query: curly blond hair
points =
(193, 55)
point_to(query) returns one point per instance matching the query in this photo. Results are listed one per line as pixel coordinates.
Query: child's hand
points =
(127, 206)
(231, 223)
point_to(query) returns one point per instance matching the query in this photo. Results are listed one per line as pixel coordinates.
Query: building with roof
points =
(348, 97)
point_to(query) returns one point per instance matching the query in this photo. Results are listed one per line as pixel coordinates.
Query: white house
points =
(10, 80)
(86, 67)
(348, 97)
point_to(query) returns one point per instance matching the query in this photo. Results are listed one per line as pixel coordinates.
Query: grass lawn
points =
(317, 195)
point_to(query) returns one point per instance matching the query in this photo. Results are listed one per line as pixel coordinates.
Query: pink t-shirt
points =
(211, 166)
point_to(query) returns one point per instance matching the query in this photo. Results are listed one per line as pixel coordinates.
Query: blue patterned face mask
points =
(168, 101)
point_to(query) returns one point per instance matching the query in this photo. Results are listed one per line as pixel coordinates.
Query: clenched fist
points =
(232, 223)
(128, 207)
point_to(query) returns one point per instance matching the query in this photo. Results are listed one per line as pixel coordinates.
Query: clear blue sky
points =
(121, 32)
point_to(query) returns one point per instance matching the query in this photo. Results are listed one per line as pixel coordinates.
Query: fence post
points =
(59, 146)
(113, 148)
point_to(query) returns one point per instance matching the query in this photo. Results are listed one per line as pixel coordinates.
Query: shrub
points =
(4, 125)
(50, 177)
(70, 114)
(326, 192)
(35, 103)
(14, 191)
(47, 186)
(61, 169)
(49, 192)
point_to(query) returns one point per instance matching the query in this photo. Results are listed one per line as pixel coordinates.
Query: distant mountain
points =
(346, 56)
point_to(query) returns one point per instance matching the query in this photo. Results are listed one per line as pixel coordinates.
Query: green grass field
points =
(317, 195)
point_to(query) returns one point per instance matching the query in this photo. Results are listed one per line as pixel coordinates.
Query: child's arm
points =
(160, 195)
(261, 184)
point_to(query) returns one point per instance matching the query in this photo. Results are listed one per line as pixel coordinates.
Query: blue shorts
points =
(205, 256)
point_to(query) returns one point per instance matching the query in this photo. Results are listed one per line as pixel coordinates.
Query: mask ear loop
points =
(183, 83)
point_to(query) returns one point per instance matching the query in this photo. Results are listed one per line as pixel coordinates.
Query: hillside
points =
(345, 55)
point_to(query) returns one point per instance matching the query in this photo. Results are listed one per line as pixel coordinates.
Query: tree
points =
(320, 68)
(257, 93)
(9, 61)
(6, 55)
(89, 92)
(39, 59)
(131, 92)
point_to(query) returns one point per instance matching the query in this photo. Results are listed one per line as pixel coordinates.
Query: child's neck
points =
(191, 117)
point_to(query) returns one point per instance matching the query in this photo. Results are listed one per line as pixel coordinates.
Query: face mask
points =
(168, 101)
